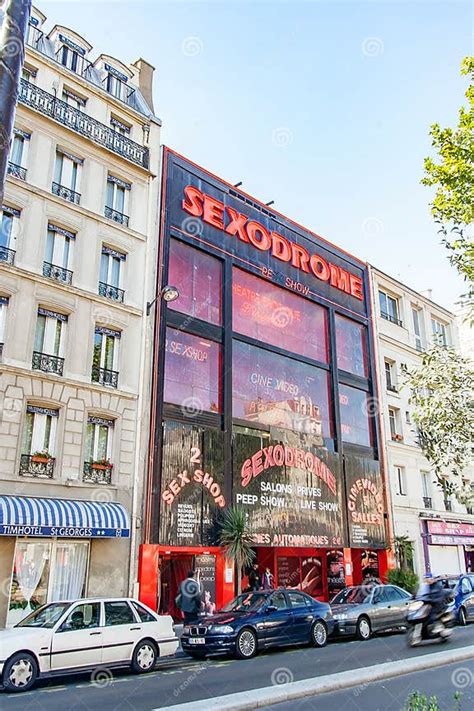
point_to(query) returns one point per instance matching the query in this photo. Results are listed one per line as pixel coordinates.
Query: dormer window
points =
(115, 82)
(70, 54)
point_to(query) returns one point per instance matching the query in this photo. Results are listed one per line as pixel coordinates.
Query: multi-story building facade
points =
(77, 261)
(441, 530)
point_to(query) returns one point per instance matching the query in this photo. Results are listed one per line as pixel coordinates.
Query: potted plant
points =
(42, 457)
(101, 464)
(237, 541)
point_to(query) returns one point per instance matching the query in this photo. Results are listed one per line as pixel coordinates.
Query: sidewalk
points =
(258, 698)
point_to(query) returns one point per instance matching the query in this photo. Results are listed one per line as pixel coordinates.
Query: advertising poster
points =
(192, 484)
(205, 567)
(365, 503)
(300, 573)
(291, 490)
(335, 572)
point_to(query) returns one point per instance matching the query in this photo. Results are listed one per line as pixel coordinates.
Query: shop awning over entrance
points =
(62, 518)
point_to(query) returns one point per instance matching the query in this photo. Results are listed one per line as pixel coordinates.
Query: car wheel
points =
(363, 630)
(20, 672)
(319, 634)
(462, 617)
(144, 657)
(246, 644)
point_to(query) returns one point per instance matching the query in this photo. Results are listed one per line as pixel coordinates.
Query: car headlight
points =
(340, 616)
(414, 606)
(221, 629)
(186, 629)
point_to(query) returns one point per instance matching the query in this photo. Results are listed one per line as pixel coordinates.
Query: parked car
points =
(363, 609)
(462, 587)
(257, 620)
(67, 637)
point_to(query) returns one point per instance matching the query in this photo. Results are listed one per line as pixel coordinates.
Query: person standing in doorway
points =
(189, 598)
(254, 578)
(268, 581)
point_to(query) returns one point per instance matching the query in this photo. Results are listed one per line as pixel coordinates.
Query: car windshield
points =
(45, 616)
(246, 603)
(353, 596)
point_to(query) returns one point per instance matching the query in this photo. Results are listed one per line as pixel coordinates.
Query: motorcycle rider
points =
(435, 593)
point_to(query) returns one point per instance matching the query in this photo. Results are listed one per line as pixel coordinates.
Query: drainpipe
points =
(16, 14)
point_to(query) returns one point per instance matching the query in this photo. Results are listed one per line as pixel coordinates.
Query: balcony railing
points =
(39, 467)
(111, 292)
(66, 193)
(427, 502)
(47, 363)
(58, 110)
(97, 473)
(57, 273)
(16, 170)
(116, 216)
(7, 255)
(392, 319)
(104, 376)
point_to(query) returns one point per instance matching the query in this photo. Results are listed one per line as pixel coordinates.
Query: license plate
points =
(197, 640)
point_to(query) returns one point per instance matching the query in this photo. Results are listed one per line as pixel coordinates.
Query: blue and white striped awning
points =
(62, 518)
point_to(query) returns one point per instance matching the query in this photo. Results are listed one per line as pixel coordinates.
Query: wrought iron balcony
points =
(78, 121)
(427, 502)
(66, 193)
(104, 376)
(111, 292)
(392, 319)
(7, 255)
(17, 171)
(97, 473)
(116, 216)
(57, 273)
(47, 363)
(39, 467)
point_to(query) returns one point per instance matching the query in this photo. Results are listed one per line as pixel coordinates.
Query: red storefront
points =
(263, 397)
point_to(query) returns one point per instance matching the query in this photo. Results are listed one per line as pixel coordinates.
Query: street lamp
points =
(168, 293)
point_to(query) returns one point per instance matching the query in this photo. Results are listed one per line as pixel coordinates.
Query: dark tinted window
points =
(143, 614)
(297, 599)
(118, 613)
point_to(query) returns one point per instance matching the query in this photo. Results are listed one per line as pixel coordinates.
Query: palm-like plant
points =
(237, 541)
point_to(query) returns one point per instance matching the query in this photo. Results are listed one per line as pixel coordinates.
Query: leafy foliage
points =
(442, 396)
(406, 579)
(420, 702)
(237, 541)
(403, 552)
(452, 174)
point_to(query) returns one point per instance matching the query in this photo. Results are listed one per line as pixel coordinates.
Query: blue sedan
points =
(258, 620)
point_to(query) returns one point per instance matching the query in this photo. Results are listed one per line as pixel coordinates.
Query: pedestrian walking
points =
(254, 578)
(189, 598)
(268, 580)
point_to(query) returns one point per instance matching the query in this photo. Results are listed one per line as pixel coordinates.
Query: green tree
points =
(442, 396)
(451, 173)
(237, 541)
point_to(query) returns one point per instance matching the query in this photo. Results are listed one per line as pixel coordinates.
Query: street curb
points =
(257, 698)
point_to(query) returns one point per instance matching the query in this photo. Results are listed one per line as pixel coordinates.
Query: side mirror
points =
(271, 608)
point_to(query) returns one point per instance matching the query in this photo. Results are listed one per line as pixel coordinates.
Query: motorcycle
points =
(422, 627)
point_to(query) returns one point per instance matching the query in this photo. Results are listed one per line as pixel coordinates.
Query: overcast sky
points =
(324, 107)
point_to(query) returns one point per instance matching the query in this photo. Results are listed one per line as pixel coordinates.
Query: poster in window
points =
(365, 503)
(355, 407)
(205, 568)
(335, 572)
(290, 489)
(192, 484)
(280, 392)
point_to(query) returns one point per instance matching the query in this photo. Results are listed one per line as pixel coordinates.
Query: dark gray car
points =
(363, 609)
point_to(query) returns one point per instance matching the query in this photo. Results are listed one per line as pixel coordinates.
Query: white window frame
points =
(73, 57)
(31, 73)
(52, 326)
(3, 316)
(390, 375)
(18, 139)
(41, 424)
(115, 192)
(400, 476)
(111, 261)
(115, 86)
(96, 436)
(439, 331)
(395, 421)
(103, 346)
(417, 327)
(63, 249)
(426, 484)
(383, 295)
(15, 226)
(65, 170)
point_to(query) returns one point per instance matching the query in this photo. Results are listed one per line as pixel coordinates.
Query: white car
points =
(65, 637)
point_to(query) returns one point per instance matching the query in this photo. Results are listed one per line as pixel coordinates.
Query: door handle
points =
(93, 633)
(133, 629)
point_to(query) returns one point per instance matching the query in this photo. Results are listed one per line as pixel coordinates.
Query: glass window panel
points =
(48, 257)
(57, 338)
(28, 433)
(67, 247)
(274, 315)
(280, 392)
(102, 442)
(115, 277)
(351, 344)
(96, 358)
(109, 352)
(198, 278)
(109, 201)
(47, 433)
(355, 421)
(40, 329)
(104, 268)
(5, 229)
(192, 372)
(90, 432)
(74, 176)
(119, 198)
(29, 587)
(58, 168)
(17, 149)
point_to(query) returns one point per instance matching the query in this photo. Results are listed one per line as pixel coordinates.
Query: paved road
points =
(179, 680)
(392, 694)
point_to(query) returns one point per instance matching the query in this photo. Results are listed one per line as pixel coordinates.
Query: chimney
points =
(145, 80)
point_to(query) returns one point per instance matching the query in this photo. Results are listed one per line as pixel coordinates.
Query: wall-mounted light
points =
(168, 293)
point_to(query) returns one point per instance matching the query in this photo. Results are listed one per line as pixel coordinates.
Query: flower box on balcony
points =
(398, 438)
(40, 457)
(101, 466)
